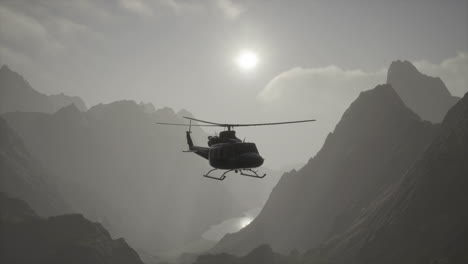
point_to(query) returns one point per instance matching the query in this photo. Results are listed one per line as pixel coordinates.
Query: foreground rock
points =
(27, 238)
(424, 219)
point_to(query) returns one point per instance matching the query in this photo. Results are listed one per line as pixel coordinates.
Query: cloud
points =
(24, 34)
(453, 71)
(331, 89)
(36, 30)
(137, 6)
(229, 8)
(323, 92)
(148, 8)
(319, 81)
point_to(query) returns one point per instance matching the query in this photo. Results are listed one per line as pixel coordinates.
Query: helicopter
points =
(226, 151)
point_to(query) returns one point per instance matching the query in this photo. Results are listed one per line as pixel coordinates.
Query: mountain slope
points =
(17, 95)
(27, 238)
(425, 95)
(424, 218)
(372, 146)
(22, 176)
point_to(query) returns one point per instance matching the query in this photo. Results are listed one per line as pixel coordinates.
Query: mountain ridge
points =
(16, 94)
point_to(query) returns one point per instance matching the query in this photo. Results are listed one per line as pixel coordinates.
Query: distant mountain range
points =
(27, 238)
(17, 95)
(115, 165)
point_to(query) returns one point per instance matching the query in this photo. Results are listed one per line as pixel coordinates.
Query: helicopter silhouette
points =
(226, 151)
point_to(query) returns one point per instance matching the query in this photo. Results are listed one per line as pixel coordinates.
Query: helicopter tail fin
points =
(189, 140)
(200, 151)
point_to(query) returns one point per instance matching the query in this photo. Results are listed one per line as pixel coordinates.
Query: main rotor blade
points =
(207, 122)
(173, 124)
(274, 123)
(244, 125)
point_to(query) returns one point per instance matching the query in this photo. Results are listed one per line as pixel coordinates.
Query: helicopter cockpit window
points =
(241, 148)
(250, 148)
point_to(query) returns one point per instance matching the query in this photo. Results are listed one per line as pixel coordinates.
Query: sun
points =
(247, 60)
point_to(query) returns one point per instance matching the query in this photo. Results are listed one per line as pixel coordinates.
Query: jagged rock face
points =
(427, 96)
(23, 176)
(16, 94)
(372, 146)
(117, 166)
(424, 218)
(27, 238)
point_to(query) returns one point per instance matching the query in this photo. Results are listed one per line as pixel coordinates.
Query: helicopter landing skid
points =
(223, 176)
(253, 175)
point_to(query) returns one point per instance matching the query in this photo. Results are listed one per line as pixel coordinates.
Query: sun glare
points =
(245, 221)
(247, 60)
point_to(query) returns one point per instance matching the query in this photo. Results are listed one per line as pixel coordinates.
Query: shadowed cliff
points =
(27, 238)
(423, 219)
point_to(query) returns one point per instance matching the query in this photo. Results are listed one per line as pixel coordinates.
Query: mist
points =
(84, 84)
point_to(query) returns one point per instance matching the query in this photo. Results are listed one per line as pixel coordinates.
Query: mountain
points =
(372, 146)
(423, 219)
(118, 167)
(23, 176)
(427, 96)
(28, 238)
(16, 94)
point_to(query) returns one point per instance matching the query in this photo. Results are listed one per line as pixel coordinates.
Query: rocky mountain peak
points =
(400, 67)
(427, 96)
(374, 110)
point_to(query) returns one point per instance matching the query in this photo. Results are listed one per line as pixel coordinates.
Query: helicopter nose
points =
(252, 160)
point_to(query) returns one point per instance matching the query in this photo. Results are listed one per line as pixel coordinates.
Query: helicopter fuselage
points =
(228, 156)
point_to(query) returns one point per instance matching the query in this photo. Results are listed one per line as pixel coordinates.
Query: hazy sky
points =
(314, 56)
